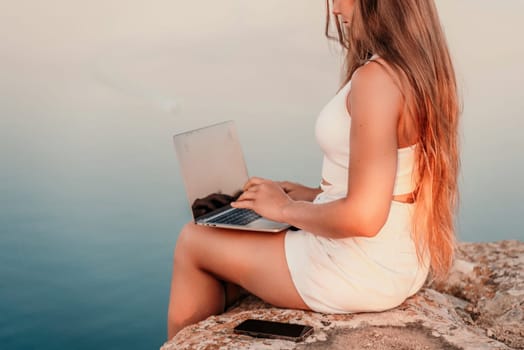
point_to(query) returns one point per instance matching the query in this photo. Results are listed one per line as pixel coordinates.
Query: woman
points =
(383, 216)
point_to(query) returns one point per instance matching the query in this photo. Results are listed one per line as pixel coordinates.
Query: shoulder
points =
(374, 86)
(376, 75)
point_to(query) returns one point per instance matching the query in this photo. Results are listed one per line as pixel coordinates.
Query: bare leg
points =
(233, 293)
(205, 257)
(195, 295)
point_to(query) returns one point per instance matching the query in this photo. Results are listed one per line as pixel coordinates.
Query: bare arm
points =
(298, 192)
(374, 103)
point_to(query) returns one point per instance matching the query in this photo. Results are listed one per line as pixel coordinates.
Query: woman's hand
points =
(299, 192)
(265, 197)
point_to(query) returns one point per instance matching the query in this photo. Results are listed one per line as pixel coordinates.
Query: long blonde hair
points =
(408, 36)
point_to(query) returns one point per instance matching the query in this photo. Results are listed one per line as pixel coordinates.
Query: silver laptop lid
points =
(212, 166)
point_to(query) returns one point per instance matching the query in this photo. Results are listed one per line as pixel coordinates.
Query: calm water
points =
(91, 200)
(86, 245)
(88, 267)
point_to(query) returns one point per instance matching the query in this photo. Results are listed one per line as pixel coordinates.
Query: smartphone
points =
(275, 330)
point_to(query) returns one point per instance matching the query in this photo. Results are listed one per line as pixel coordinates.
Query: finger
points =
(255, 180)
(284, 185)
(253, 188)
(281, 183)
(242, 204)
(247, 196)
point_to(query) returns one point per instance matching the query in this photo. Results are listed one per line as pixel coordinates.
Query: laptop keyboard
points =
(237, 217)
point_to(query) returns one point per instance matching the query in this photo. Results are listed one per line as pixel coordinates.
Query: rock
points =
(480, 306)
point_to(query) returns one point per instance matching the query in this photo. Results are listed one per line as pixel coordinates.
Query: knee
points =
(185, 241)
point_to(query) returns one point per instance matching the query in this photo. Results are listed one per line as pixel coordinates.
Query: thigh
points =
(255, 261)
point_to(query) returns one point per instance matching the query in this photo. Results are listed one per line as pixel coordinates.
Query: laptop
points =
(214, 172)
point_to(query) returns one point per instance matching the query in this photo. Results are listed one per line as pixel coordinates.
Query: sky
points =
(92, 91)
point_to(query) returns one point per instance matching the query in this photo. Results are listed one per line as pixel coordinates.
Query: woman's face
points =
(344, 10)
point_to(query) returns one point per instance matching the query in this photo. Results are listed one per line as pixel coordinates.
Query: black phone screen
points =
(262, 328)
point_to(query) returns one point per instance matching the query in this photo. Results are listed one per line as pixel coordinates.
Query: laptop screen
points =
(212, 166)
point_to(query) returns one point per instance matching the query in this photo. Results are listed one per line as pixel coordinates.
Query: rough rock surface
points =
(481, 306)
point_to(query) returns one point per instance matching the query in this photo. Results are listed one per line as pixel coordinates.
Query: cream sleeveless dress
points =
(355, 274)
